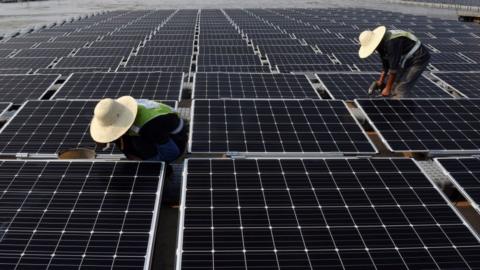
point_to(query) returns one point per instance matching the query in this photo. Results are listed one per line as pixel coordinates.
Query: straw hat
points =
(112, 118)
(369, 41)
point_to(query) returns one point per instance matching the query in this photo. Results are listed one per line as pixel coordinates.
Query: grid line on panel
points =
(464, 83)
(149, 85)
(260, 210)
(238, 85)
(89, 62)
(287, 126)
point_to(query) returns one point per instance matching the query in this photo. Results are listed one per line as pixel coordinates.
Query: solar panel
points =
(119, 51)
(439, 58)
(426, 125)
(456, 47)
(465, 175)
(353, 58)
(79, 214)
(52, 45)
(43, 53)
(276, 42)
(238, 69)
(16, 45)
(165, 50)
(275, 127)
(475, 56)
(249, 86)
(114, 44)
(5, 53)
(349, 86)
(147, 85)
(298, 59)
(464, 83)
(226, 50)
(89, 62)
(4, 106)
(222, 42)
(457, 67)
(68, 71)
(15, 71)
(50, 126)
(25, 63)
(286, 49)
(185, 69)
(375, 67)
(17, 88)
(318, 214)
(228, 60)
(159, 60)
(169, 43)
(313, 68)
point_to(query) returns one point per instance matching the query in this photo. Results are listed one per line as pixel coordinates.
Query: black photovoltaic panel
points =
(114, 44)
(185, 69)
(79, 214)
(19, 88)
(318, 214)
(51, 45)
(226, 50)
(4, 106)
(89, 62)
(465, 174)
(475, 56)
(25, 63)
(16, 45)
(353, 58)
(169, 43)
(222, 42)
(375, 67)
(160, 60)
(250, 86)
(465, 83)
(298, 59)
(173, 37)
(146, 85)
(286, 49)
(456, 47)
(43, 53)
(104, 52)
(51, 126)
(239, 69)
(426, 125)
(5, 53)
(165, 50)
(313, 68)
(67, 71)
(446, 58)
(457, 67)
(276, 42)
(276, 126)
(228, 60)
(349, 86)
(15, 71)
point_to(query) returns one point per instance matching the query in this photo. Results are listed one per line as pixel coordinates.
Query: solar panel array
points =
(85, 214)
(318, 214)
(232, 69)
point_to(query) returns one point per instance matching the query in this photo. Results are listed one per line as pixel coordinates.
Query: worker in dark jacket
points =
(403, 57)
(141, 129)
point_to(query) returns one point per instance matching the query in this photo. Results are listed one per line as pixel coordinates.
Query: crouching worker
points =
(142, 130)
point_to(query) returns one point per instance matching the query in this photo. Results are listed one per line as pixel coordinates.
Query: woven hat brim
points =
(368, 49)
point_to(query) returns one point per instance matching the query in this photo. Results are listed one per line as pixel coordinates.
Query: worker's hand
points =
(386, 92)
(381, 80)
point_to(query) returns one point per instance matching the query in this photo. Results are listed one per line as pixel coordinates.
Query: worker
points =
(403, 57)
(143, 130)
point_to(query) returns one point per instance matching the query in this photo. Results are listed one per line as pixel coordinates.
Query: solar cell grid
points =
(457, 67)
(426, 125)
(249, 86)
(286, 49)
(442, 58)
(68, 71)
(228, 60)
(475, 56)
(465, 174)
(187, 50)
(24, 63)
(226, 50)
(275, 127)
(159, 60)
(349, 86)
(352, 58)
(222, 42)
(16, 45)
(114, 44)
(309, 68)
(118, 51)
(318, 213)
(19, 88)
(79, 214)
(15, 71)
(52, 45)
(147, 85)
(6, 52)
(173, 37)
(77, 38)
(464, 83)
(89, 62)
(238, 69)
(276, 42)
(298, 59)
(43, 53)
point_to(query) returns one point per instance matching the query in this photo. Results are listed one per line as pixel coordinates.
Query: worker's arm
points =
(389, 86)
(393, 50)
